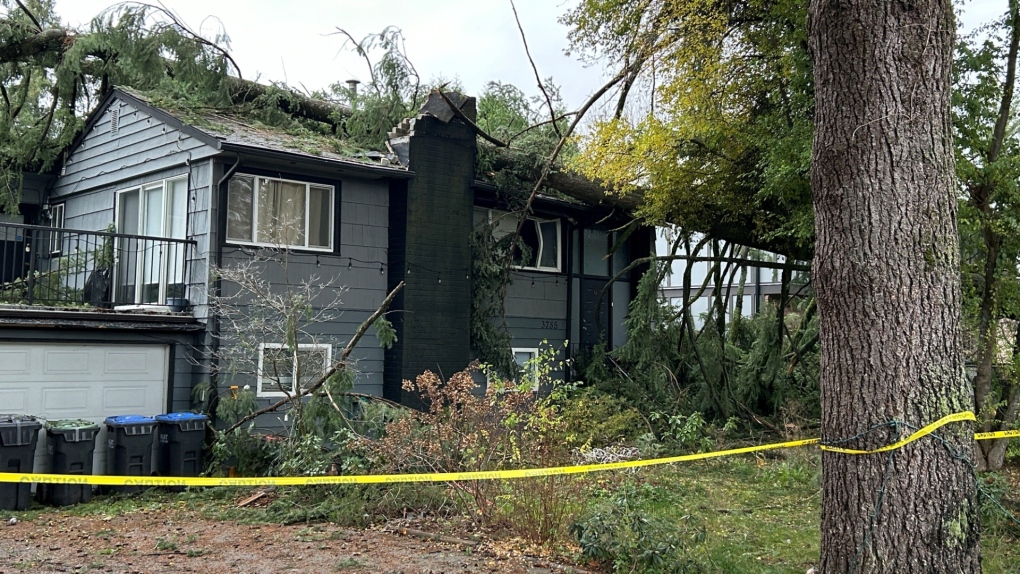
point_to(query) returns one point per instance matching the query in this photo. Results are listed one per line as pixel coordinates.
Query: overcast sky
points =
(474, 41)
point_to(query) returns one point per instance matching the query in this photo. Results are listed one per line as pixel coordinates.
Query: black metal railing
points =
(69, 267)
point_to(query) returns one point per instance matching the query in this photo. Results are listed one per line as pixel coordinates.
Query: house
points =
(756, 285)
(107, 272)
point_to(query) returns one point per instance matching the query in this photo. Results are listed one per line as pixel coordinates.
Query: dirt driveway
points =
(175, 538)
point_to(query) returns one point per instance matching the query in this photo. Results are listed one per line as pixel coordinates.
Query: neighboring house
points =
(760, 284)
(149, 202)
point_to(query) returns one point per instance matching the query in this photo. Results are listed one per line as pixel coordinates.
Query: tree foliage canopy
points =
(988, 169)
(722, 145)
(52, 76)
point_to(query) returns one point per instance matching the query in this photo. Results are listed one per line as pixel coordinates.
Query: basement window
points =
(280, 367)
(525, 359)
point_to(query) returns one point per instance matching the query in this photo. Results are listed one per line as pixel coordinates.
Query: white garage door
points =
(81, 381)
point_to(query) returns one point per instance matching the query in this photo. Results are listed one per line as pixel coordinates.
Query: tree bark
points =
(886, 278)
(242, 91)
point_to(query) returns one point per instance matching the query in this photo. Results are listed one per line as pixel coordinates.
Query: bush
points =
(619, 532)
(508, 427)
(593, 418)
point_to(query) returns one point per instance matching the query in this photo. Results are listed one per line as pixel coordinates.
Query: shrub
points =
(508, 427)
(623, 532)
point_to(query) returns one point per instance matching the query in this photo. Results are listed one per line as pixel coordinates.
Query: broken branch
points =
(337, 365)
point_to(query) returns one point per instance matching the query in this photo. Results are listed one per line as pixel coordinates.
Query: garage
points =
(82, 381)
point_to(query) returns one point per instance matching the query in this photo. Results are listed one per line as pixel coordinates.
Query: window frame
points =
(537, 256)
(255, 214)
(55, 247)
(261, 378)
(165, 232)
(533, 352)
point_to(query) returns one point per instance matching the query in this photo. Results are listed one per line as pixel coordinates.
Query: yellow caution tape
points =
(104, 480)
(378, 478)
(996, 434)
(927, 430)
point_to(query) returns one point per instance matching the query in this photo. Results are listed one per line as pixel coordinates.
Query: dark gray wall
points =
(353, 268)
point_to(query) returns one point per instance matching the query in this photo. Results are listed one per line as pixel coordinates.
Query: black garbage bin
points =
(179, 451)
(18, 437)
(70, 445)
(128, 448)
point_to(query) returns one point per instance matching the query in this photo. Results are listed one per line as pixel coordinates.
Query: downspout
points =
(213, 321)
(757, 290)
(570, 299)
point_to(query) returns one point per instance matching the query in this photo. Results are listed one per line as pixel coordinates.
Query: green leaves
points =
(48, 89)
(723, 140)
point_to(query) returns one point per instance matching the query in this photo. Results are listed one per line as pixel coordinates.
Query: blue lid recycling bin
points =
(179, 448)
(129, 448)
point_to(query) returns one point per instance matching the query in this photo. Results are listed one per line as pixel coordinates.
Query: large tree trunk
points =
(886, 277)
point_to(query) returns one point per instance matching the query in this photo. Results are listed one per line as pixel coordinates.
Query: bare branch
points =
(337, 365)
(547, 168)
(38, 27)
(999, 133)
(538, 77)
(460, 114)
(361, 52)
(553, 121)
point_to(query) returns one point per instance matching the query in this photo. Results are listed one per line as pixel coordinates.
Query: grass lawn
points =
(741, 514)
(759, 515)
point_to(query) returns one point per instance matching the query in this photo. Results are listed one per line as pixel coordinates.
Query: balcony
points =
(53, 267)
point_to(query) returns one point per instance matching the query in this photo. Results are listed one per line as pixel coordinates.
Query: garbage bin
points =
(128, 448)
(181, 436)
(70, 445)
(18, 437)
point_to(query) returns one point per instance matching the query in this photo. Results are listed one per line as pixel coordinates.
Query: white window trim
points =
(163, 217)
(308, 192)
(538, 256)
(533, 351)
(301, 346)
(56, 222)
(139, 188)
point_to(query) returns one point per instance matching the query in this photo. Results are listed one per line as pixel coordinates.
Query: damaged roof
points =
(227, 131)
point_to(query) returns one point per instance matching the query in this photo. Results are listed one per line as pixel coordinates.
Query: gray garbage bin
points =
(18, 437)
(128, 448)
(70, 445)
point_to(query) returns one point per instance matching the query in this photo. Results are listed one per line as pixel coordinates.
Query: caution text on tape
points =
(107, 480)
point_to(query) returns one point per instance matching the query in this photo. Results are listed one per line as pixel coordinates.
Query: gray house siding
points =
(548, 309)
(141, 145)
(140, 151)
(357, 267)
(536, 313)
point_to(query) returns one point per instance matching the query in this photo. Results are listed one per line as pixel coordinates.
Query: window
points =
(149, 270)
(279, 367)
(540, 236)
(596, 246)
(279, 213)
(525, 359)
(56, 222)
